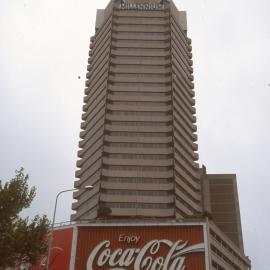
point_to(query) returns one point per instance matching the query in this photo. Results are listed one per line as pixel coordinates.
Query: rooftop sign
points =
(138, 6)
(143, 1)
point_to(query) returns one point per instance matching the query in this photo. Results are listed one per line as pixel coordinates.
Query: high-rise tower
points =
(138, 144)
(138, 140)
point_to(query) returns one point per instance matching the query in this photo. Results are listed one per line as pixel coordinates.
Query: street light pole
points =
(52, 226)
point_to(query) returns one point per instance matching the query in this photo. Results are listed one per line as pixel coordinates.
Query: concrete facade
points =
(225, 206)
(138, 144)
(138, 140)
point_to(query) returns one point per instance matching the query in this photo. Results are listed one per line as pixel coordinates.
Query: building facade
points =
(138, 141)
(141, 245)
(138, 144)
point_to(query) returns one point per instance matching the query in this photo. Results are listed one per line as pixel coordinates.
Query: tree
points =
(21, 241)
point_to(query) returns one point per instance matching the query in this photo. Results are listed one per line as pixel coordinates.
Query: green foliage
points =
(21, 240)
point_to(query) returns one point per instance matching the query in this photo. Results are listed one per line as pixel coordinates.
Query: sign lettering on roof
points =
(137, 6)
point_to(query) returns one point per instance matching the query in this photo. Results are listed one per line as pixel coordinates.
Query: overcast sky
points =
(43, 50)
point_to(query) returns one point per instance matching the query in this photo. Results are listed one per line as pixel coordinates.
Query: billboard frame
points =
(139, 224)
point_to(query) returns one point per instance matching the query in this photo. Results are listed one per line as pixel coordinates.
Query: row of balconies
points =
(140, 69)
(99, 56)
(185, 111)
(126, 51)
(182, 94)
(95, 69)
(189, 149)
(140, 78)
(137, 162)
(185, 211)
(184, 81)
(134, 186)
(183, 174)
(181, 183)
(141, 13)
(97, 40)
(96, 97)
(180, 128)
(139, 118)
(187, 164)
(229, 249)
(136, 198)
(154, 95)
(138, 150)
(141, 44)
(100, 84)
(183, 53)
(181, 68)
(152, 202)
(138, 128)
(150, 28)
(180, 112)
(138, 145)
(97, 49)
(93, 175)
(89, 154)
(140, 98)
(224, 259)
(91, 164)
(142, 36)
(184, 61)
(138, 107)
(138, 36)
(193, 205)
(180, 85)
(141, 61)
(84, 206)
(93, 118)
(147, 203)
(185, 127)
(96, 77)
(140, 21)
(181, 34)
(87, 137)
(191, 188)
(142, 212)
(83, 195)
(148, 88)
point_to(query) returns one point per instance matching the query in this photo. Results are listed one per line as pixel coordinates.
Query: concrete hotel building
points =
(138, 140)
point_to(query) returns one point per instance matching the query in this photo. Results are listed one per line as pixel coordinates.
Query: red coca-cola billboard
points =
(140, 248)
(60, 251)
(128, 247)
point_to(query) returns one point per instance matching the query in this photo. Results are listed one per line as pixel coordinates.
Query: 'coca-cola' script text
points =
(145, 258)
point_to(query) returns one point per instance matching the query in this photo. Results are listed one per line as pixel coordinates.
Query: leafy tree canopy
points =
(21, 241)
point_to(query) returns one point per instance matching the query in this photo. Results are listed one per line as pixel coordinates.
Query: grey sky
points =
(43, 50)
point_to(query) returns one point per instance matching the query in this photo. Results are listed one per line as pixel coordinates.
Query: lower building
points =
(144, 245)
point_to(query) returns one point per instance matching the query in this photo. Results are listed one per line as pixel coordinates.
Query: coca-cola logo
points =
(146, 258)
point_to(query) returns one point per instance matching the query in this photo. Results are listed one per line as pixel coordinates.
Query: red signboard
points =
(140, 248)
(60, 252)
